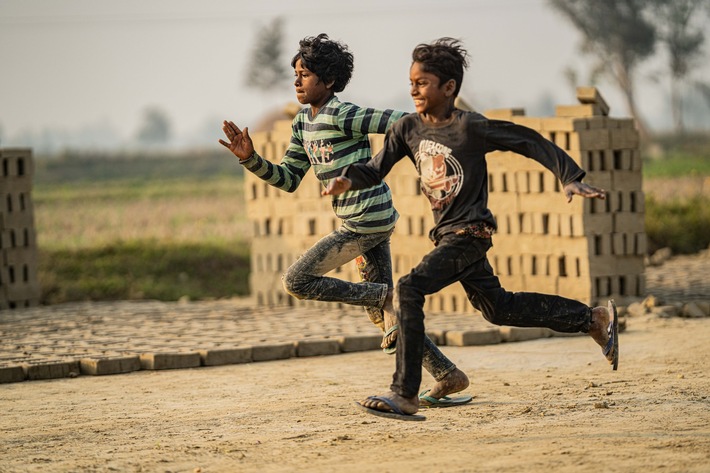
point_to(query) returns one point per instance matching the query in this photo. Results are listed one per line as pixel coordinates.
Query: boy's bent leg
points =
(304, 279)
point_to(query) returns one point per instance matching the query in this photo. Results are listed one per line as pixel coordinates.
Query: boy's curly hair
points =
(446, 58)
(330, 60)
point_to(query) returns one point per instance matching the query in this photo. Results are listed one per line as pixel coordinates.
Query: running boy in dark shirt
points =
(448, 147)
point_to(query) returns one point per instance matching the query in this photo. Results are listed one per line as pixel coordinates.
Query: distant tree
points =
(267, 69)
(155, 128)
(619, 35)
(681, 26)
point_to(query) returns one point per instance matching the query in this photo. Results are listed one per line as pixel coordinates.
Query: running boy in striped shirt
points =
(328, 136)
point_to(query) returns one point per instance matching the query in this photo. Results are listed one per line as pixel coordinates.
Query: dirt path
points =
(544, 405)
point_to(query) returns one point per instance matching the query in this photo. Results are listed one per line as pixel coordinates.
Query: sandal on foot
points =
(394, 412)
(611, 350)
(444, 401)
(392, 347)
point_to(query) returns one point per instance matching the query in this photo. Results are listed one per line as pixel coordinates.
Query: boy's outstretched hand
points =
(239, 142)
(585, 190)
(337, 186)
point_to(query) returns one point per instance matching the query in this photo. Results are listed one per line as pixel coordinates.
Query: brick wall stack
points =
(588, 250)
(18, 269)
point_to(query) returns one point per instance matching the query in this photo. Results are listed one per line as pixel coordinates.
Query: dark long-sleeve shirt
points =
(451, 162)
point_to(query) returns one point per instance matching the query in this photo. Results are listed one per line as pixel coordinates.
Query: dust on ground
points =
(545, 405)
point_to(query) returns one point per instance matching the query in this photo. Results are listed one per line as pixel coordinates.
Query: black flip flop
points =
(395, 413)
(611, 350)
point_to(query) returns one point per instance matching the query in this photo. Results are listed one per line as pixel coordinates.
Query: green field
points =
(160, 228)
(167, 227)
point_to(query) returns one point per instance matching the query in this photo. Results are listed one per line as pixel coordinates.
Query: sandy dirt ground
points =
(545, 405)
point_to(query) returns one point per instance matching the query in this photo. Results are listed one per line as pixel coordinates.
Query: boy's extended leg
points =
(530, 309)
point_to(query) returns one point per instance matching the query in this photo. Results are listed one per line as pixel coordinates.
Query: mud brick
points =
(599, 223)
(16, 162)
(631, 264)
(225, 356)
(11, 374)
(317, 347)
(584, 110)
(96, 366)
(628, 222)
(353, 343)
(622, 243)
(506, 203)
(623, 138)
(577, 223)
(601, 244)
(504, 113)
(521, 334)
(525, 222)
(553, 124)
(21, 291)
(460, 338)
(51, 369)
(603, 265)
(638, 201)
(594, 123)
(536, 181)
(19, 256)
(19, 188)
(622, 159)
(626, 180)
(168, 361)
(590, 140)
(504, 161)
(590, 95)
(640, 244)
(636, 161)
(275, 351)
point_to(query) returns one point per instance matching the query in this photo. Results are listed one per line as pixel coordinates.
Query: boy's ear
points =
(329, 85)
(449, 87)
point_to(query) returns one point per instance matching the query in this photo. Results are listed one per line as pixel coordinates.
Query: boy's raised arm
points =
(240, 143)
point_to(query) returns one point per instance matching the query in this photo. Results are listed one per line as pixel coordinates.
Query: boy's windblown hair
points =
(330, 60)
(446, 58)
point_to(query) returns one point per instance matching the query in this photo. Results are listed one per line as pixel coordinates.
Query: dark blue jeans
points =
(462, 258)
(305, 279)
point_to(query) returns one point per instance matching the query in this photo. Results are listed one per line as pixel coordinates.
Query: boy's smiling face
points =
(309, 88)
(430, 97)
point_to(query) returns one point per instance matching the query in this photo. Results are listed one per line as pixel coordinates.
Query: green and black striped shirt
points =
(335, 138)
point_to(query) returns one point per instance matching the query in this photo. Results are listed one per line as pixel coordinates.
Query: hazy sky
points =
(97, 65)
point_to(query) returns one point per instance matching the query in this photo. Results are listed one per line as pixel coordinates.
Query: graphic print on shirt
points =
(441, 174)
(319, 152)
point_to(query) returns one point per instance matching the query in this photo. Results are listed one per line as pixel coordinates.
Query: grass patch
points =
(682, 225)
(144, 269)
(677, 165)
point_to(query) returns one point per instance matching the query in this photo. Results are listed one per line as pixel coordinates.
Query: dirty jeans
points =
(305, 280)
(462, 258)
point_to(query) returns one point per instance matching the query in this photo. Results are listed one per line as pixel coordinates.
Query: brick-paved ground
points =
(117, 337)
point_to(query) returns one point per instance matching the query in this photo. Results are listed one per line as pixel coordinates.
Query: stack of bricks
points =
(18, 272)
(588, 250)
